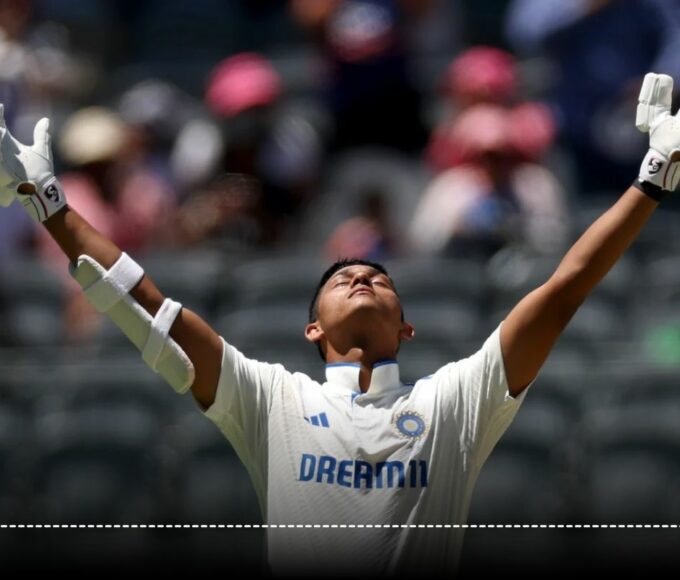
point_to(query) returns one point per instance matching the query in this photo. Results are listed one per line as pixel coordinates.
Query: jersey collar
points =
(345, 376)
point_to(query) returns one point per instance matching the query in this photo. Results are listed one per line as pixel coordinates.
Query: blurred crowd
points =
(370, 128)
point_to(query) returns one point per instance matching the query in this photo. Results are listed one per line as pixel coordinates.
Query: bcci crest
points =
(410, 424)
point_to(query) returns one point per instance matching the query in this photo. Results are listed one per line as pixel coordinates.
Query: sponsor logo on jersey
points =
(320, 420)
(359, 474)
(410, 424)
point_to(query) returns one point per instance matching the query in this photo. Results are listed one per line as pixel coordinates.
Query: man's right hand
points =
(27, 173)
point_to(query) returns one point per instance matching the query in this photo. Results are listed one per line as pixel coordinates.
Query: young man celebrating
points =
(363, 448)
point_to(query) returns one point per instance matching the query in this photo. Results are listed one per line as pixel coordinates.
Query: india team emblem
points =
(410, 424)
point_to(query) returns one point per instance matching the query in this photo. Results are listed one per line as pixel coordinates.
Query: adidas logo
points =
(320, 420)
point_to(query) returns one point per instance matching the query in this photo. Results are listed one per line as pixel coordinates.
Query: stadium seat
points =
(108, 385)
(189, 276)
(640, 384)
(213, 486)
(445, 321)
(529, 477)
(512, 273)
(37, 296)
(98, 466)
(618, 285)
(597, 320)
(571, 378)
(275, 281)
(438, 279)
(660, 236)
(634, 472)
(633, 486)
(401, 178)
(16, 449)
(273, 325)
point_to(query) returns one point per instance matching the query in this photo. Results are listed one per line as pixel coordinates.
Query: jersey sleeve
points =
(475, 391)
(245, 391)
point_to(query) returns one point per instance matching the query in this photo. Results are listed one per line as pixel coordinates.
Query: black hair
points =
(339, 265)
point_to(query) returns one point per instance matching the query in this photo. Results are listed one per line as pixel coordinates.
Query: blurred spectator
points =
(371, 96)
(37, 66)
(532, 133)
(112, 186)
(482, 74)
(495, 194)
(600, 50)
(224, 205)
(271, 143)
(17, 231)
(158, 110)
(113, 183)
(367, 235)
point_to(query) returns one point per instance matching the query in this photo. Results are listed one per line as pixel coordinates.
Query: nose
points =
(361, 278)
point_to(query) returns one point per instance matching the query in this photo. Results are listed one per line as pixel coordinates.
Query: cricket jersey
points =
(329, 454)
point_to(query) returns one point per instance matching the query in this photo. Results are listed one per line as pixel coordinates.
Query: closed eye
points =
(381, 280)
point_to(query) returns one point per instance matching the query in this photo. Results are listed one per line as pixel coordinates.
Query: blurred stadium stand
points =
(37, 299)
(88, 434)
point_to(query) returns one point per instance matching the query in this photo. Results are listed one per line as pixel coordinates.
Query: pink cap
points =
(524, 132)
(481, 74)
(242, 82)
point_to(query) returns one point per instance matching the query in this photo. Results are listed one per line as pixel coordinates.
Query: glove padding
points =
(661, 165)
(31, 170)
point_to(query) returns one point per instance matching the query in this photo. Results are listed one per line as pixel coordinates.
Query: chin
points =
(367, 313)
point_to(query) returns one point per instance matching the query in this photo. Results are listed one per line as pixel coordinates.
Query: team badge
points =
(410, 424)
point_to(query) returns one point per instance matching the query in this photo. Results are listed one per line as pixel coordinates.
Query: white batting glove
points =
(29, 169)
(660, 169)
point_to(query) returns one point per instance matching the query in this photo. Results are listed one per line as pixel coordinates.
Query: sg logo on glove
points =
(52, 193)
(654, 165)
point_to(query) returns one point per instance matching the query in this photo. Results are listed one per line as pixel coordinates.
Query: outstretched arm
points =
(198, 340)
(533, 326)
(26, 174)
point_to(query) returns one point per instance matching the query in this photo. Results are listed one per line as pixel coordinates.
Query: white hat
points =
(92, 134)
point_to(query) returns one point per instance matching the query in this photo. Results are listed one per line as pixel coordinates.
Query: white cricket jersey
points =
(397, 454)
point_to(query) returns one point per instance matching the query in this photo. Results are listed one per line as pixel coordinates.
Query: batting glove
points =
(660, 169)
(27, 174)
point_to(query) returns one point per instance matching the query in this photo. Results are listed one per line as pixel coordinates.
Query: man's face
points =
(359, 298)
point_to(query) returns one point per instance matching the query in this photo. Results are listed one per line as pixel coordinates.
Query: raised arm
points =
(199, 341)
(533, 326)
(26, 173)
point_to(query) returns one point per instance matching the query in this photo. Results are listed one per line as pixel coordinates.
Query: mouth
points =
(363, 290)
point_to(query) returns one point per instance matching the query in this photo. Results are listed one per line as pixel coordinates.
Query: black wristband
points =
(653, 191)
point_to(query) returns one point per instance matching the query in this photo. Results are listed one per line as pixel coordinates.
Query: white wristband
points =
(48, 200)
